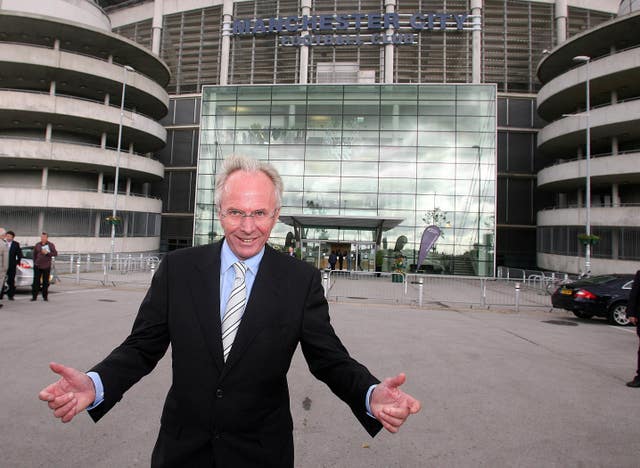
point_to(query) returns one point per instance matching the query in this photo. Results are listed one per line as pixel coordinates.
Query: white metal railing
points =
(437, 290)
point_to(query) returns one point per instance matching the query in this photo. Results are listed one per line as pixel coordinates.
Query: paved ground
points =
(498, 388)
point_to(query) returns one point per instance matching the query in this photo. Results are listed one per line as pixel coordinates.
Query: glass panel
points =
(437, 93)
(250, 93)
(397, 153)
(397, 122)
(397, 169)
(437, 108)
(353, 184)
(350, 168)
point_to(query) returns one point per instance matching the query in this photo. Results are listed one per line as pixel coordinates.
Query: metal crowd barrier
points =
(434, 290)
(123, 267)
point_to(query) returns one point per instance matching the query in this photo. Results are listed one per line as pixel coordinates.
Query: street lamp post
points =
(126, 69)
(587, 251)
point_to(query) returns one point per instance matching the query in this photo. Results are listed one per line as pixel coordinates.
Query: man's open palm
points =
(70, 395)
(390, 405)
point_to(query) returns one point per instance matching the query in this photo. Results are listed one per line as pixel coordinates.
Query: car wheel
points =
(618, 314)
(581, 314)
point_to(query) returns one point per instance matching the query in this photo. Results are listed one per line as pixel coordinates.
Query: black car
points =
(599, 296)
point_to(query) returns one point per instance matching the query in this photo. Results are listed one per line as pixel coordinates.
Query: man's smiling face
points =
(248, 192)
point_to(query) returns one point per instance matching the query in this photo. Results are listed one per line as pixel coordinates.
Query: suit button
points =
(219, 393)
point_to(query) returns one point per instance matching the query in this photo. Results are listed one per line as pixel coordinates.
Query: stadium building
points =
(383, 116)
(62, 73)
(607, 59)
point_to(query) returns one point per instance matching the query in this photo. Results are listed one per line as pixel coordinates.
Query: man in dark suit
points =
(228, 405)
(15, 255)
(633, 311)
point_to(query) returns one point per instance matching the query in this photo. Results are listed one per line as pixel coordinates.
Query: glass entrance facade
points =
(423, 153)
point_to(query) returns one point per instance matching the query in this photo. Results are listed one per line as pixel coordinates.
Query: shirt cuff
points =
(367, 401)
(97, 383)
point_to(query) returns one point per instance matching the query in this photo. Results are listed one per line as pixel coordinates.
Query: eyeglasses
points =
(236, 216)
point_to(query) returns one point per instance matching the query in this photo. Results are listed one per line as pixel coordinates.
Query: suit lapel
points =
(205, 290)
(260, 311)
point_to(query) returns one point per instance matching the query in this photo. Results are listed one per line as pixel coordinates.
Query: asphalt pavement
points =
(499, 388)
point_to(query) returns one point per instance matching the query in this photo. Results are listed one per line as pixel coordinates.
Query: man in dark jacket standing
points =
(15, 255)
(234, 313)
(633, 310)
(43, 252)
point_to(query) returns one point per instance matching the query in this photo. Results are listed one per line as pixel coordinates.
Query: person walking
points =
(234, 312)
(43, 252)
(4, 259)
(333, 258)
(633, 312)
(15, 255)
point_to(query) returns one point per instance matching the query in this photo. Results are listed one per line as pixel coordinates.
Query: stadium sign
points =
(352, 29)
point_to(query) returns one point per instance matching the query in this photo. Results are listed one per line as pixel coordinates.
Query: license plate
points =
(566, 292)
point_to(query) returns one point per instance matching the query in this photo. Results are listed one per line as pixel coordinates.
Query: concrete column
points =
(107, 99)
(614, 96)
(52, 88)
(44, 178)
(96, 226)
(100, 181)
(110, 59)
(580, 198)
(562, 200)
(131, 148)
(128, 186)
(561, 12)
(614, 145)
(146, 189)
(389, 7)
(303, 64)
(103, 140)
(156, 25)
(476, 42)
(56, 44)
(48, 132)
(615, 195)
(225, 47)
(40, 221)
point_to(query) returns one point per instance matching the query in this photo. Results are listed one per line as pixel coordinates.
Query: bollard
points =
(517, 297)
(88, 262)
(71, 263)
(420, 290)
(78, 263)
(483, 288)
(153, 269)
(325, 283)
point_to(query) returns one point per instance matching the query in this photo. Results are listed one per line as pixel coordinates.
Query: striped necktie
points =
(235, 308)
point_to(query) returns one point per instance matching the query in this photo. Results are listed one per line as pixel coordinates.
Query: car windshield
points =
(27, 252)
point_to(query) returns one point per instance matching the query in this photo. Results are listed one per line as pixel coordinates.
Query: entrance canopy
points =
(373, 223)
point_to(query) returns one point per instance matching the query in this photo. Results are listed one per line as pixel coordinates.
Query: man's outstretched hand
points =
(70, 395)
(390, 405)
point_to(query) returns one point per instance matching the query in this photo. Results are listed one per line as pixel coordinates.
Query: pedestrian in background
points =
(43, 252)
(633, 311)
(15, 255)
(4, 258)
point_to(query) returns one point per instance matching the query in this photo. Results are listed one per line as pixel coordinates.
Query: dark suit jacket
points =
(15, 255)
(234, 414)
